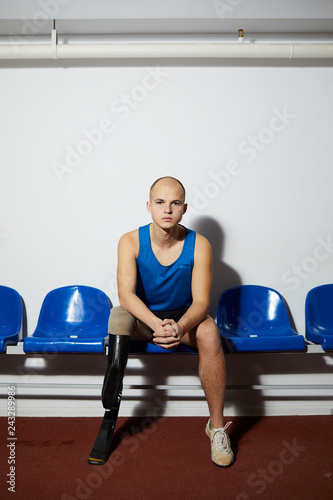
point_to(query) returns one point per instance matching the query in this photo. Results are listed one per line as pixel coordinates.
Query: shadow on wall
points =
(224, 276)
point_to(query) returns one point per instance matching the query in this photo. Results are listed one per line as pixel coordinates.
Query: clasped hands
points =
(168, 334)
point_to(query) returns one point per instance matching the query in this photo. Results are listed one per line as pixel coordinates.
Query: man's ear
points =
(149, 206)
(185, 208)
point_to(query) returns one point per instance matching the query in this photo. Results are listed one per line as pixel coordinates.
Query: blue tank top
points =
(164, 288)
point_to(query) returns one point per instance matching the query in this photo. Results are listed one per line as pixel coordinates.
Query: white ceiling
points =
(87, 17)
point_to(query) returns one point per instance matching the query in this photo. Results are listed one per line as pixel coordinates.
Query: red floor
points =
(277, 458)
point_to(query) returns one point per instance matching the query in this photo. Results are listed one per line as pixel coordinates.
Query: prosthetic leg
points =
(111, 397)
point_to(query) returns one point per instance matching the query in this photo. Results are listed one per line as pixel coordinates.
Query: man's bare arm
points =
(201, 284)
(128, 248)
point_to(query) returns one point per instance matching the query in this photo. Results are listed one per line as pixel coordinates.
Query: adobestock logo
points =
(48, 10)
(256, 143)
(263, 477)
(83, 148)
(249, 148)
(228, 6)
(131, 439)
(139, 93)
(121, 107)
(255, 319)
(301, 272)
(220, 180)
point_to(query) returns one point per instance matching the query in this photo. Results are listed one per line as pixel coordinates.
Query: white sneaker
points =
(222, 454)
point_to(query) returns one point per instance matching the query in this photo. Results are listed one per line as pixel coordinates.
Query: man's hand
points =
(168, 335)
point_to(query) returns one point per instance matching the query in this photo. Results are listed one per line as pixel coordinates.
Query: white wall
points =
(259, 186)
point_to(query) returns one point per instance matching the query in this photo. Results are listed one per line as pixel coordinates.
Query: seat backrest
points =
(10, 311)
(75, 310)
(319, 307)
(250, 309)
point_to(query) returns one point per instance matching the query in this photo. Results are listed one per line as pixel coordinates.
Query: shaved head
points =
(167, 181)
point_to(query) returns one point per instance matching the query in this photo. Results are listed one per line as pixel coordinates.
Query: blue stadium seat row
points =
(10, 316)
(74, 319)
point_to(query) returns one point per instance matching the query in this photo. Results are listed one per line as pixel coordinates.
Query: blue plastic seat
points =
(10, 316)
(72, 319)
(319, 316)
(255, 318)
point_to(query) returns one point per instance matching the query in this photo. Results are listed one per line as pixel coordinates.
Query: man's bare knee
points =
(208, 336)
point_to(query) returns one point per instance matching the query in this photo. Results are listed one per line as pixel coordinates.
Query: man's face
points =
(166, 204)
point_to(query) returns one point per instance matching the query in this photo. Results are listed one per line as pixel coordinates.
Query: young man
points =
(164, 282)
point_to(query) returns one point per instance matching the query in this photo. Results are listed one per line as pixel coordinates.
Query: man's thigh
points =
(122, 322)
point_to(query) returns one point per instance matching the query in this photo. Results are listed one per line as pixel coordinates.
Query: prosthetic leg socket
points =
(113, 380)
(111, 398)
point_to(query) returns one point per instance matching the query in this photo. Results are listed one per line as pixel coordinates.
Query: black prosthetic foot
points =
(101, 449)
